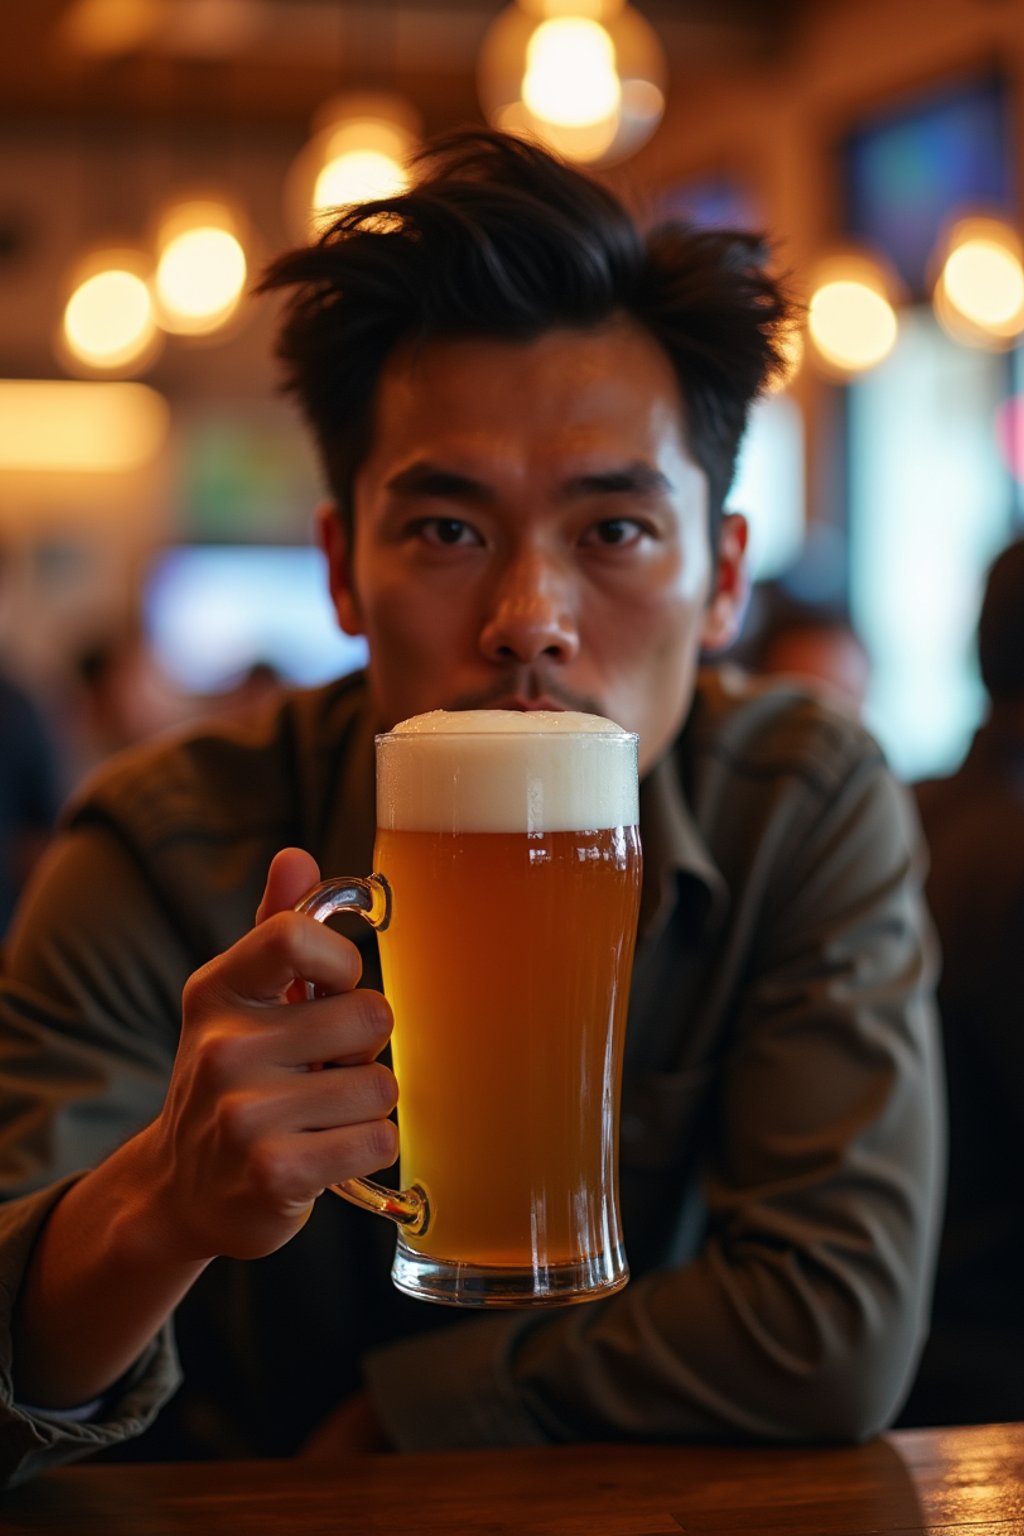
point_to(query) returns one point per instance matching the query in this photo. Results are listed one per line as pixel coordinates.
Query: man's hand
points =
(251, 1131)
(249, 1135)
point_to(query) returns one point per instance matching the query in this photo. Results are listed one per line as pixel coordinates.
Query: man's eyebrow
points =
(424, 478)
(628, 479)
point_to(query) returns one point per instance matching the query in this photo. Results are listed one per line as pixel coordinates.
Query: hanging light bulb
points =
(109, 322)
(359, 149)
(363, 160)
(201, 267)
(586, 77)
(851, 319)
(570, 78)
(979, 293)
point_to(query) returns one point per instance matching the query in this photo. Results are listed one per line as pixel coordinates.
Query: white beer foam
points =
(499, 770)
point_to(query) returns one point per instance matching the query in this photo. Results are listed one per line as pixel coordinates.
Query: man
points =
(528, 416)
(974, 826)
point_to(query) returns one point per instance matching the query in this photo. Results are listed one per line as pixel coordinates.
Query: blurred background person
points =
(811, 642)
(119, 695)
(261, 682)
(973, 1366)
(30, 779)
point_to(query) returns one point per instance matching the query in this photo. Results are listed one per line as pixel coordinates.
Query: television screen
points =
(908, 173)
(213, 611)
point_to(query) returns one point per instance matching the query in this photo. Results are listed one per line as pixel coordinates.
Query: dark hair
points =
(496, 237)
(1001, 625)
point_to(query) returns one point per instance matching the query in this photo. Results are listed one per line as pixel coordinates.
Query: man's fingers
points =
(308, 1102)
(334, 1031)
(349, 1152)
(292, 873)
(263, 963)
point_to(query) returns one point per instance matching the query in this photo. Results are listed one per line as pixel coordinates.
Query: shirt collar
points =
(677, 864)
(352, 802)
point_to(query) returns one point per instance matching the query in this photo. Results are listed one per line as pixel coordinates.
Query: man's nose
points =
(531, 614)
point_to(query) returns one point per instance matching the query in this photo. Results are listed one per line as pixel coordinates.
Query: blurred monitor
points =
(912, 169)
(213, 611)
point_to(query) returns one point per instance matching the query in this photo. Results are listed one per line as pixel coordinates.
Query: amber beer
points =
(510, 847)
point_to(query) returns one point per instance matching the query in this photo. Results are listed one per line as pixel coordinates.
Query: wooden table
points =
(968, 1481)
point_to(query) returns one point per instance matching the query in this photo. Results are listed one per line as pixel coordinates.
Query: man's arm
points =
(247, 1138)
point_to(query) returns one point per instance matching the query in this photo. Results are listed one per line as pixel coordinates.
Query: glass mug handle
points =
(371, 898)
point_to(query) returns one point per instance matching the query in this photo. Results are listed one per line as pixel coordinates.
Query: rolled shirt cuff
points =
(35, 1439)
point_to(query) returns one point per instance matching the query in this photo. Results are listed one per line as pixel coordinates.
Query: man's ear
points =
(333, 539)
(728, 604)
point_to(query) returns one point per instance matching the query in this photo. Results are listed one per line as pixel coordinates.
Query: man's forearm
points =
(100, 1285)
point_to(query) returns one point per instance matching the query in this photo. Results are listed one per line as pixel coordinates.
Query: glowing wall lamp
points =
(109, 321)
(851, 320)
(200, 267)
(571, 87)
(587, 77)
(979, 293)
(79, 426)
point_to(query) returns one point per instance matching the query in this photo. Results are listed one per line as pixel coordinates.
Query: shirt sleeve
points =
(803, 1313)
(86, 1045)
(32, 1440)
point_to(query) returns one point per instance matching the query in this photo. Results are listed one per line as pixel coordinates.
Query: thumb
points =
(292, 873)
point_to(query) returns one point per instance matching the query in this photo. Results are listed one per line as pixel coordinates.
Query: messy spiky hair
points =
(496, 237)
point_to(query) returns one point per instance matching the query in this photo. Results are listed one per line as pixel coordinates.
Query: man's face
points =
(531, 532)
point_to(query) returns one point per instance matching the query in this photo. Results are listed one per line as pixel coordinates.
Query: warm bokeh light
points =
(850, 319)
(79, 426)
(585, 143)
(359, 149)
(853, 326)
(979, 295)
(108, 27)
(201, 270)
(570, 79)
(986, 283)
(355, 176)
(109, 321)
(585, 77)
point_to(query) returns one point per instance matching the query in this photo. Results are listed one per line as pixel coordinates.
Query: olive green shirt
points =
(782, 1143)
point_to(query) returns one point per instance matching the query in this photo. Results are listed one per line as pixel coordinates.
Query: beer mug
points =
(505, 898)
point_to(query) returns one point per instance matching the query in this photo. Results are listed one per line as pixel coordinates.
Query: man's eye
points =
(448, 531)
(614, 532)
